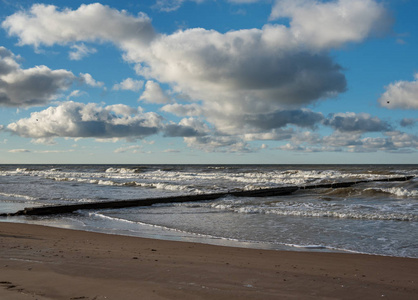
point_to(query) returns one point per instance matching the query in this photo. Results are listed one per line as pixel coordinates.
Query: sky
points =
(209, 81)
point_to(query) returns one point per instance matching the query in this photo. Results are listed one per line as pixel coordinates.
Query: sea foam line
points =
(18, 196)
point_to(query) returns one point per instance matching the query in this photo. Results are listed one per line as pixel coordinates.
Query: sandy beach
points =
(38, 262)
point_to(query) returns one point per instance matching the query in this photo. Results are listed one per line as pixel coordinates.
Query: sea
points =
(374, 217)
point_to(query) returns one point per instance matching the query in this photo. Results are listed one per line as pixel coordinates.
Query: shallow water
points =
(375, 217)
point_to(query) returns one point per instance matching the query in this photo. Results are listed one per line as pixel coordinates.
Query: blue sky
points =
(204, 81)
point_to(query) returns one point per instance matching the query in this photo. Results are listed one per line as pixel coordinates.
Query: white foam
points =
(18, 196)
(397, 191)
(122, 170)
(326, 210)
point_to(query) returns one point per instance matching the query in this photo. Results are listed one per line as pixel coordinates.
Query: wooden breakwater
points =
(279, 191)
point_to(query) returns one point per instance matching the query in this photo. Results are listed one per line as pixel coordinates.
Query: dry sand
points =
(38, 262)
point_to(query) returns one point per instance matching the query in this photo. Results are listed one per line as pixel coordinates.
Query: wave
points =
(317, 211)
(105, 217)
(212, 175)
(125, 170)
(18, 196)
(322, 247)
(211, 237)
(397, 191)
(157, 185)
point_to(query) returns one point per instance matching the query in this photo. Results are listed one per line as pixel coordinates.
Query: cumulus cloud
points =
(45, 25)
(74, 94)
(393, 142)
(405, 122)
(189, 127)
(332, 23)
(240, 67)
(281, 118)
(183, 109)
(80, 51)
(356, 122)
(213, 143)
(8, 62)
(78, 120)
(274, 135)
(390, 141)
(401, 94)
(154, 93)
(89, 80)
(29, 87)
(129, 84)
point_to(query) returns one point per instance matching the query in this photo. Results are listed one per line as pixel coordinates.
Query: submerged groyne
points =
(268, 192)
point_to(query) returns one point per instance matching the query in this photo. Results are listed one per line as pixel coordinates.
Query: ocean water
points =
(374, 217)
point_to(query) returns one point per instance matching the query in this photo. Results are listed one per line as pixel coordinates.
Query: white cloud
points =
(241, 67)
(44, 141)
(78, 120)
(154, 93)
(183, 109)
(19, 151)
(45, 25)
(74, 94)
(54, 151)
(187, 127)
(171, 5)
(29, 87)
(228, 144)
(274, 135)
(401, 94)
(332, 23)
(133, 149)
(89, 80)
(391, 141)
(80, 51)
(129, 84)
(171, 151)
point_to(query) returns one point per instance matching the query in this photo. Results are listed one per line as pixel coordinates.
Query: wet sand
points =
(38, 262)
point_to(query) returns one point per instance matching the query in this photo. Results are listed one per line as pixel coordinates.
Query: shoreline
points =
(39, 262)
(149, 231)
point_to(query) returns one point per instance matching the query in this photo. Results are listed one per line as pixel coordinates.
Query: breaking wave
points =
(318, 211)
(397, 191)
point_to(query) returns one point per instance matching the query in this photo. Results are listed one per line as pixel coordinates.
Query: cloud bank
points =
(78, 120)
